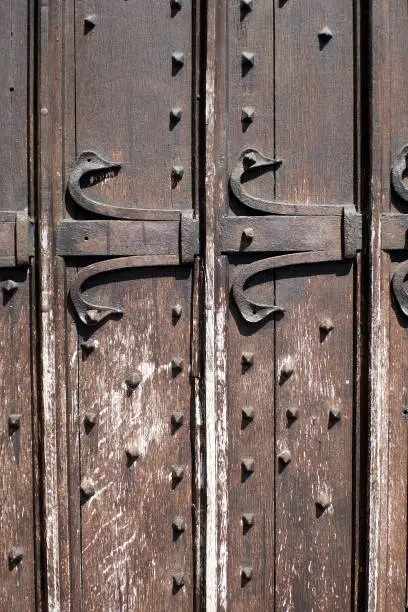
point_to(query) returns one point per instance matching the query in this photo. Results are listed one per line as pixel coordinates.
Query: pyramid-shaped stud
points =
(132, 453)
(177, 364)
(14, 422)
(292, 413)
(247, 114)
(177, 311)
(89, 345)
(176, 5)
(249, 159)
(178, 580)
(177, 59)
(94, 316)
(326, 325)
(248, 234)
(323, 501)
(9, 286)
(177, 418)
(324, 35)
(90, 22)
(248, 465)
(175, 114)
(247, 5)
(247, 359)
(248, 59)
(179, 524)
(248, 520)
(285, 457)
(177, 472)
(248, 413)
(177, 173)
(90, 420)
(15, 557)
(287, 367)
(87, 488)
(247, 573)
(335, 413)
(134, 379)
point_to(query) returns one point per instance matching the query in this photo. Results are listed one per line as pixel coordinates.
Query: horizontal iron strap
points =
(117, 238)
(394, 230)
(16, 239)
(276, 233)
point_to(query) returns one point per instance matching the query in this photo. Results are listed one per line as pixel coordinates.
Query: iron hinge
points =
(16, 239)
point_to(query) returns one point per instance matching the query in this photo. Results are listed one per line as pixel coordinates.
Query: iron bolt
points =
(175, 114)
(179, 524)
(90, 21)
(90, 420)
(134, 379)
(178, 59)
(248, 520)
(15, 556)
(248, 234)
(177, 418)
(87, 488)
(248, 114)
(285, 457)
(292, 412)
(248, 413)
(323, 501)
(178, 579)
(89, 345)
(176, 5)
(335, 413)
(177, 310)
(132, 453)
(14, 421)
(94, 316)
(326, 325)
(249, 159)
(177, 173)
(248, 58)
(177, 472)
(247, 5)
(247, 573)
(177, 363)
(325, 34)
(287, 367)
(247, 359)
(248, 465)
(9, 286)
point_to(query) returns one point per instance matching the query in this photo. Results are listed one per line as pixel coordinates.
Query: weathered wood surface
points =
(18, 433)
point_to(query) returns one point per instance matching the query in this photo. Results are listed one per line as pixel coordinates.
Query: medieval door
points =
(203, 233)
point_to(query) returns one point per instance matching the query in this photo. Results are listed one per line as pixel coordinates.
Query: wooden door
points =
(202, 263)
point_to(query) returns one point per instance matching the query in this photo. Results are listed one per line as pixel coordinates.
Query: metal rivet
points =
(324, 35)
(335, 413)
(248, 520)
(177, 173)
(15, 556)
(247, 5)
(132, 453)
(247, 573)
(134, 379)
(89, 345)
(323, 501)
(87, 488)
(247, 114)
(178, 59)
(177, 310)
(248, 413)
(249, 159)
(178, 580)
(292, 412)
(177, 364)
(248, 58)
(9, 286)
(285, 457)
(177, 418)
(287, 367)
(248, 234)
(14, 421)
(248, 465)
(247, 359)
(179, 524)
(177, 472)
(326, 325)
(90, 420)
(94, 316)
(176, 5)
(175, 114)
(90, 21)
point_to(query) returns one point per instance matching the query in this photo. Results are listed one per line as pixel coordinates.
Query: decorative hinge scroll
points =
(305, 233)
(130, 237)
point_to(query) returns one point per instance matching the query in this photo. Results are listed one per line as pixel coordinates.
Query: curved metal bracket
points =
(251, 159)
(90, 162)
(399, 168)
(254, 312)
(397, 282)
(93, 314)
